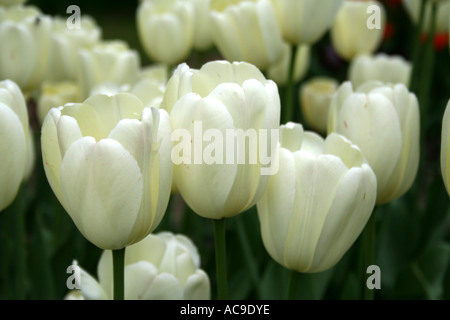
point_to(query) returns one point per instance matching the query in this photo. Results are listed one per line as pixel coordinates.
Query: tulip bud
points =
(57, 94)
(161, 266)
(166, 29)
(106, 62)
(383, 120)
(442, 15)
(202, 24)
(305, 21)
(315, 97)
(358, 28)
(16, 145)
(279, 71)
(247, 31)
(389, 69)
(445, 148)
(319, 201)
(25, 37)
(107, 161)
(65, 44)
(150, 85)
(235, 108)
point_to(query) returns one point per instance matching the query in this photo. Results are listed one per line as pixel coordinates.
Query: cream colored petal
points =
(203, 187)
(51, 152)
(317, 181)
(138, 278)
(164, 287)
(13, 64)
(13, 155)
(371, 122)
(407, 165)
(276, 206)
(197, 287)
(102, 188)
(349, 213)
(342, 93)
(90, 288)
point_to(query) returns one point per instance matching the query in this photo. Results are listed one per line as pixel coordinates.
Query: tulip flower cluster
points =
(222, 147)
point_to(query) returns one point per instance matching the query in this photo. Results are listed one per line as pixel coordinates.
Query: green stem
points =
(119, 273)
(294, 278)
(19, 247)
(221, 263)
(248, 255)
(288, 114)
(368, 245)
(426, 81)
(416, 57)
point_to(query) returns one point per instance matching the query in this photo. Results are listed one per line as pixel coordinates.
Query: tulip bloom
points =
(315, 96)
(166, 29)
(445, 148)
(228, 101)
(247, 31)
(110, 62)
(65, 44)
(384, 122)
(107, 161)
(355, 31)
(25, 37)
(16, 144)
(319, 201)
(305, 21)
(161, 266)
(381, 67)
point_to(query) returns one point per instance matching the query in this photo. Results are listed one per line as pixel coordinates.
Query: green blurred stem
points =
(19, 247)
(288, 114)
(221, 259)
(416, 57)
(294, 278)
(426, 74)
(119, 273)
(248, 255)
(368, 245)
(423, 95)
(4, 256)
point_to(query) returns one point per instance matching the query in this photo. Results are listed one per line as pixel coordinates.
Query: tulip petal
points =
(276, 207)
(138, 278)
(204, 187)
(90, 288)
(197, 287)
(164, 287)
(13, 155)
(349, 213)
(102, 188)
(317, 181)
(371, 122)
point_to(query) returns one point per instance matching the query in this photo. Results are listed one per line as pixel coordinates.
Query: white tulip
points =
(223, 99)
(108, 162)
(318, 203)
(381, 67)
(305, 21)
(384, 121)
(16, 144)
(161, 266)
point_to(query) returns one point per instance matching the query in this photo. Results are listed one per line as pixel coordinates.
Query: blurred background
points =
(413, 232)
